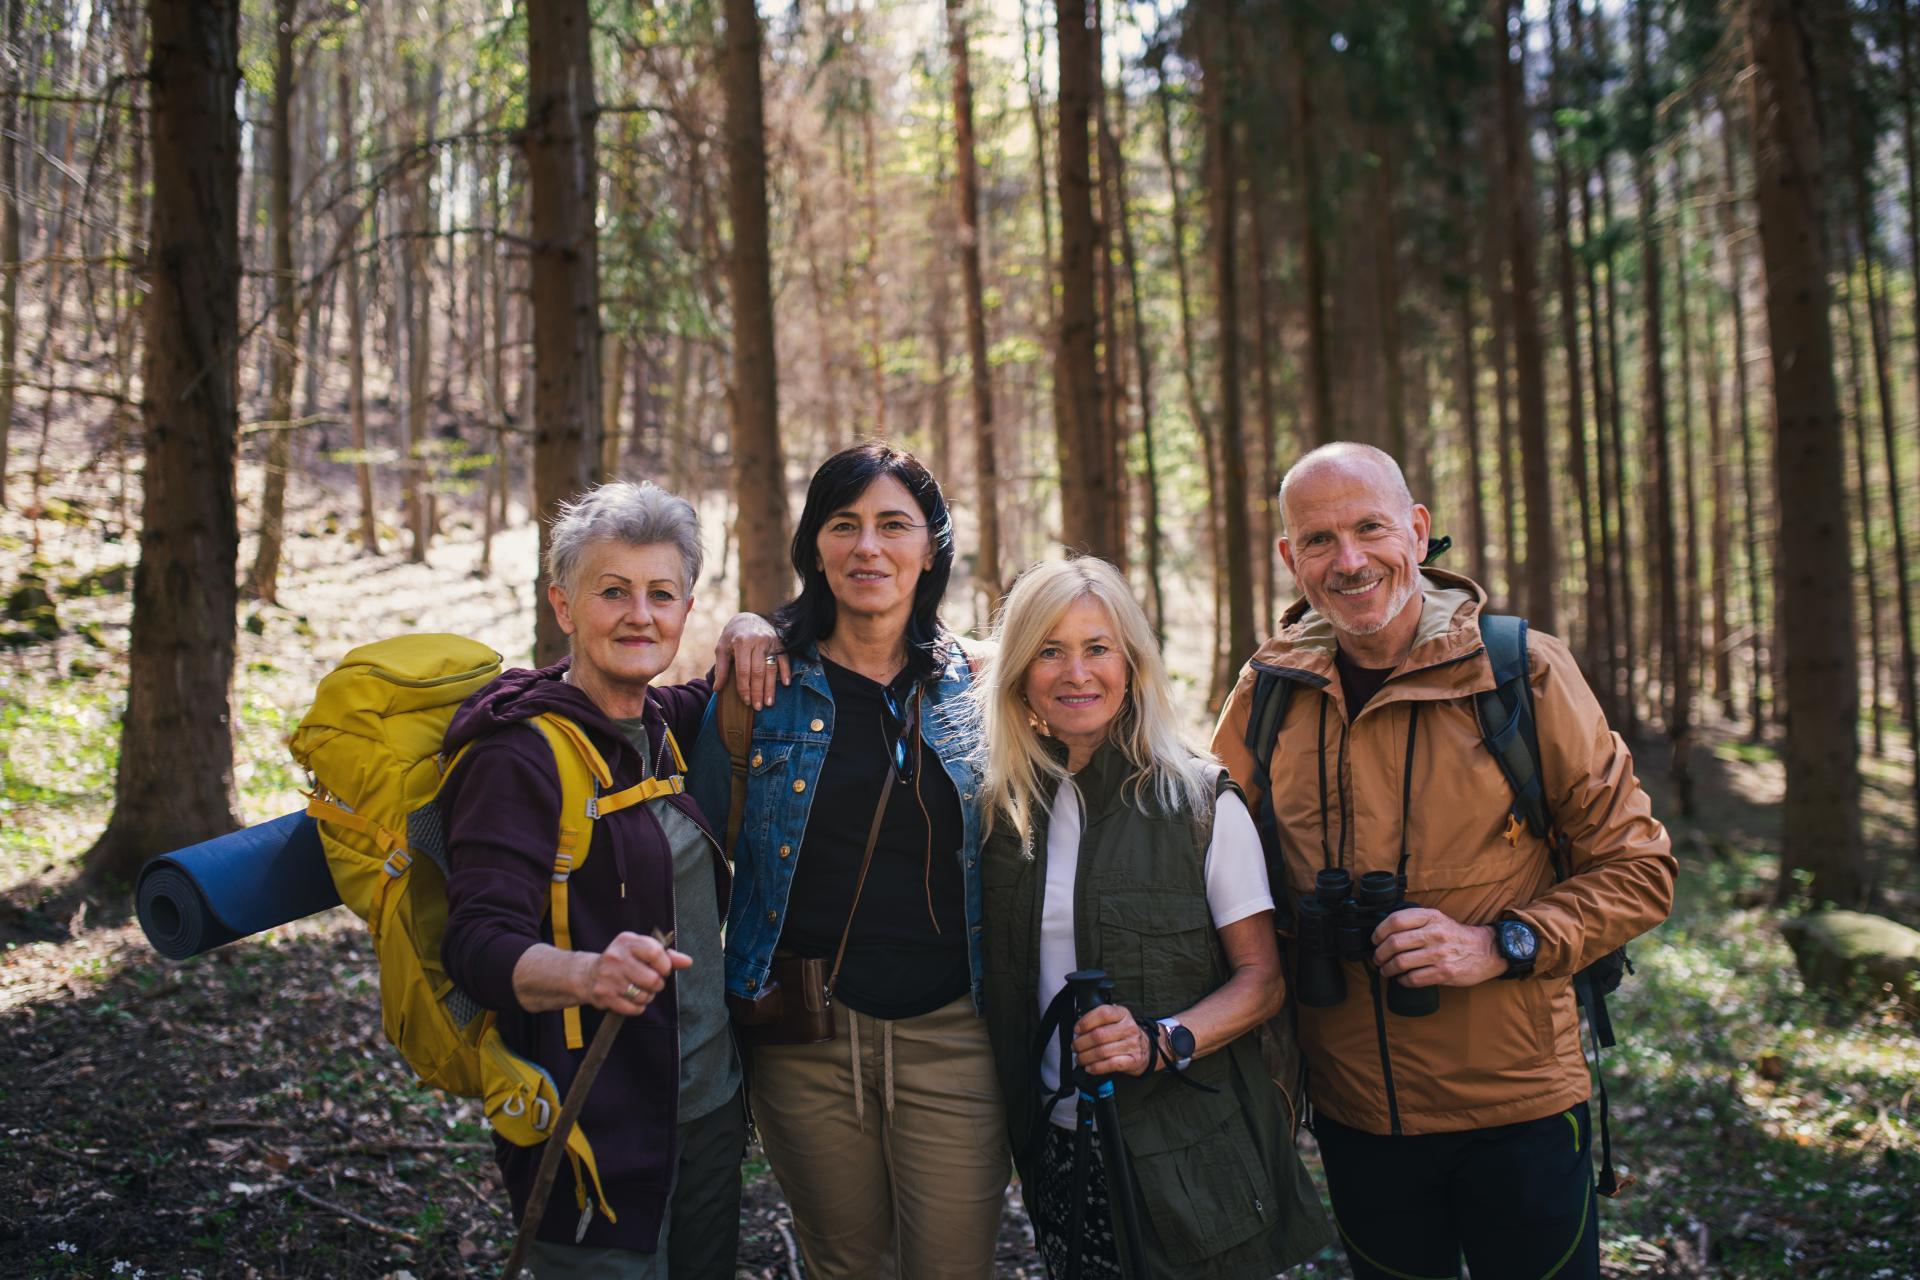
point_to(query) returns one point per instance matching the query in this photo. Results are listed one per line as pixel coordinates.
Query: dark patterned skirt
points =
(1050, 1207)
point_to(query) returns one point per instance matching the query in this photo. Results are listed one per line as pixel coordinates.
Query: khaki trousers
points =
(890, 1144)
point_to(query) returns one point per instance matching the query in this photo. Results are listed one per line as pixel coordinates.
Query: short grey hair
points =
(639, 515)
(1351, 451)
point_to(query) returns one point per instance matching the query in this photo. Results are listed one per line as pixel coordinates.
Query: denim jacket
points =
(789, 747)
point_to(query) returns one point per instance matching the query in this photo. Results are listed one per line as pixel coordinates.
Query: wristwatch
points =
(1180, 1040)
(1517, 945)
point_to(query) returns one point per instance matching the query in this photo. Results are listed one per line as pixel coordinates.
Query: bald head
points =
(1350, 463)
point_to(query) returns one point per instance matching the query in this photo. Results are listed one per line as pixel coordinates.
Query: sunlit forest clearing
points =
(1632, 289)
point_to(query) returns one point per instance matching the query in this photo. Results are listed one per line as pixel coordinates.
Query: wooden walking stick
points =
(556, 1146)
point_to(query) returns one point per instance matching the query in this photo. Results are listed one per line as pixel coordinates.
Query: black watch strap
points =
(1515, 942)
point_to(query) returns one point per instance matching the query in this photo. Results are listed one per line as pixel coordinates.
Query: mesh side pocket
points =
(427, 835)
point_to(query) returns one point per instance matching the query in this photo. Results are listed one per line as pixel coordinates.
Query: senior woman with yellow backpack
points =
(627, 925)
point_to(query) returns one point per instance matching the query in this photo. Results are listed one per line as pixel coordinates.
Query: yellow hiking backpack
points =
(371, 745)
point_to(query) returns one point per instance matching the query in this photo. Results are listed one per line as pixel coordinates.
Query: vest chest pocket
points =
(1159, 947)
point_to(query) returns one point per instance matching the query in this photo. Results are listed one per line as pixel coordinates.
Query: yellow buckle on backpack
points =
(562, 867)
(397, 863)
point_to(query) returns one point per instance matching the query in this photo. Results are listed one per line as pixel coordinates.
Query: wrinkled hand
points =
(1427, 948)
(630, 961)
(1108, 1041)
(745, 644)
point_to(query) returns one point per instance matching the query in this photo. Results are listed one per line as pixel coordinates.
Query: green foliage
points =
(1724, 1050)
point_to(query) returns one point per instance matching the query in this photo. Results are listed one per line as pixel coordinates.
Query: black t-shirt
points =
(1357, 682)
(898, 964)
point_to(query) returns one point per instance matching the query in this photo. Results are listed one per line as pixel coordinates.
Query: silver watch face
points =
(1517, 940)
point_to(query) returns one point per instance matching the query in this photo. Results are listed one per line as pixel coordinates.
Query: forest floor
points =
(239, 1114)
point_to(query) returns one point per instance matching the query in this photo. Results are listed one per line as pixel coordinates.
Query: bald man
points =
(1448, 1087)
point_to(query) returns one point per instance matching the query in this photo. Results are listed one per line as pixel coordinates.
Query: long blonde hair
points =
(1014, 766)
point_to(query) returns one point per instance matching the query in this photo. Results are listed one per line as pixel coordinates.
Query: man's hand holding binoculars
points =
(1427, 948)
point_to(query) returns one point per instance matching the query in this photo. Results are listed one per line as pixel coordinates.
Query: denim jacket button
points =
(786, 851)
(772, 916)
(753, 984)
(817, 725)
(968, 797)
(755, 762)
(799, 785)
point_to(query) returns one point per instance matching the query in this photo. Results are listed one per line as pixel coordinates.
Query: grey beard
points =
(1395, 603)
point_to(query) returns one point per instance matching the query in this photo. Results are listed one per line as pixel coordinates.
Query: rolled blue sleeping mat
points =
(254, 879)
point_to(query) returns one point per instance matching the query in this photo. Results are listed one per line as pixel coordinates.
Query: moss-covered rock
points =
(1856, 955)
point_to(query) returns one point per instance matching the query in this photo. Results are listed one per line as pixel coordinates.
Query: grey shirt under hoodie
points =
(709, 1068)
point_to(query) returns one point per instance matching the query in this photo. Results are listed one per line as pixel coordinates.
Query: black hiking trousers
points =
(1517, 1199)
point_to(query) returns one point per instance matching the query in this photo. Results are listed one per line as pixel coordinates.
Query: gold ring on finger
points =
(631, 993)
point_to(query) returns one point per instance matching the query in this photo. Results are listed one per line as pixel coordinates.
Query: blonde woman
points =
(1114, 845)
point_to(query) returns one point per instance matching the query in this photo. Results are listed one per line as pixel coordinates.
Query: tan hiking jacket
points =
(1506, 1050)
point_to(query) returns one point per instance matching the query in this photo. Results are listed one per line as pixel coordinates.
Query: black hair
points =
(839, 482)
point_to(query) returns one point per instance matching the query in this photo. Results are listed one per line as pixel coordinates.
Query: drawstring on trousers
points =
(886, 1067)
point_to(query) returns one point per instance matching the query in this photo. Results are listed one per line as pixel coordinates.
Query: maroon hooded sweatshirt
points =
(502, 808)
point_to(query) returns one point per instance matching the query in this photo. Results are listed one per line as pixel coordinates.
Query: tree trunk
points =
(1212, 537)
(1216, 109)
(1037, 110)
(9, 232)
(1720, 535)
(1596, 627)
(1865, 572)
(1143, 374)
(1733, 247)
(562, 174)
(870, 209)
(1654, 410)
(1615, 449)
(1690, 586)
(1864, 225)
(1266, 354)
(283, 355)
(1910, 86)
(1086, 484)
(173, 784)
(1821, 816)
(1113, 384)
(1529, 361)
(1313, 250)
(759, 479)
(986, 465)
(1467, 374)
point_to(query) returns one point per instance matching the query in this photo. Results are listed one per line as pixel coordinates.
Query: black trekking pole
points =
(1098, 1111)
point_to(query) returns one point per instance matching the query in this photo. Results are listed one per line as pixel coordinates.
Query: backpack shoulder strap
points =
(1273, 689)
(1272, 695)
(583, 774)
(736, 731)
(1506, 720)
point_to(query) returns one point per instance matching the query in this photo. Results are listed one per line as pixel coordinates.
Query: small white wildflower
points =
(66, 1246)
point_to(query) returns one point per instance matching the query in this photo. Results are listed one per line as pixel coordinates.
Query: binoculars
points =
(1336, 923)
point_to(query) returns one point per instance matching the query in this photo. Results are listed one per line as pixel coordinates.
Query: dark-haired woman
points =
(859, 847)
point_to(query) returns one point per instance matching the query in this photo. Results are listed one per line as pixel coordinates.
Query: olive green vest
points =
(1223, 1190)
